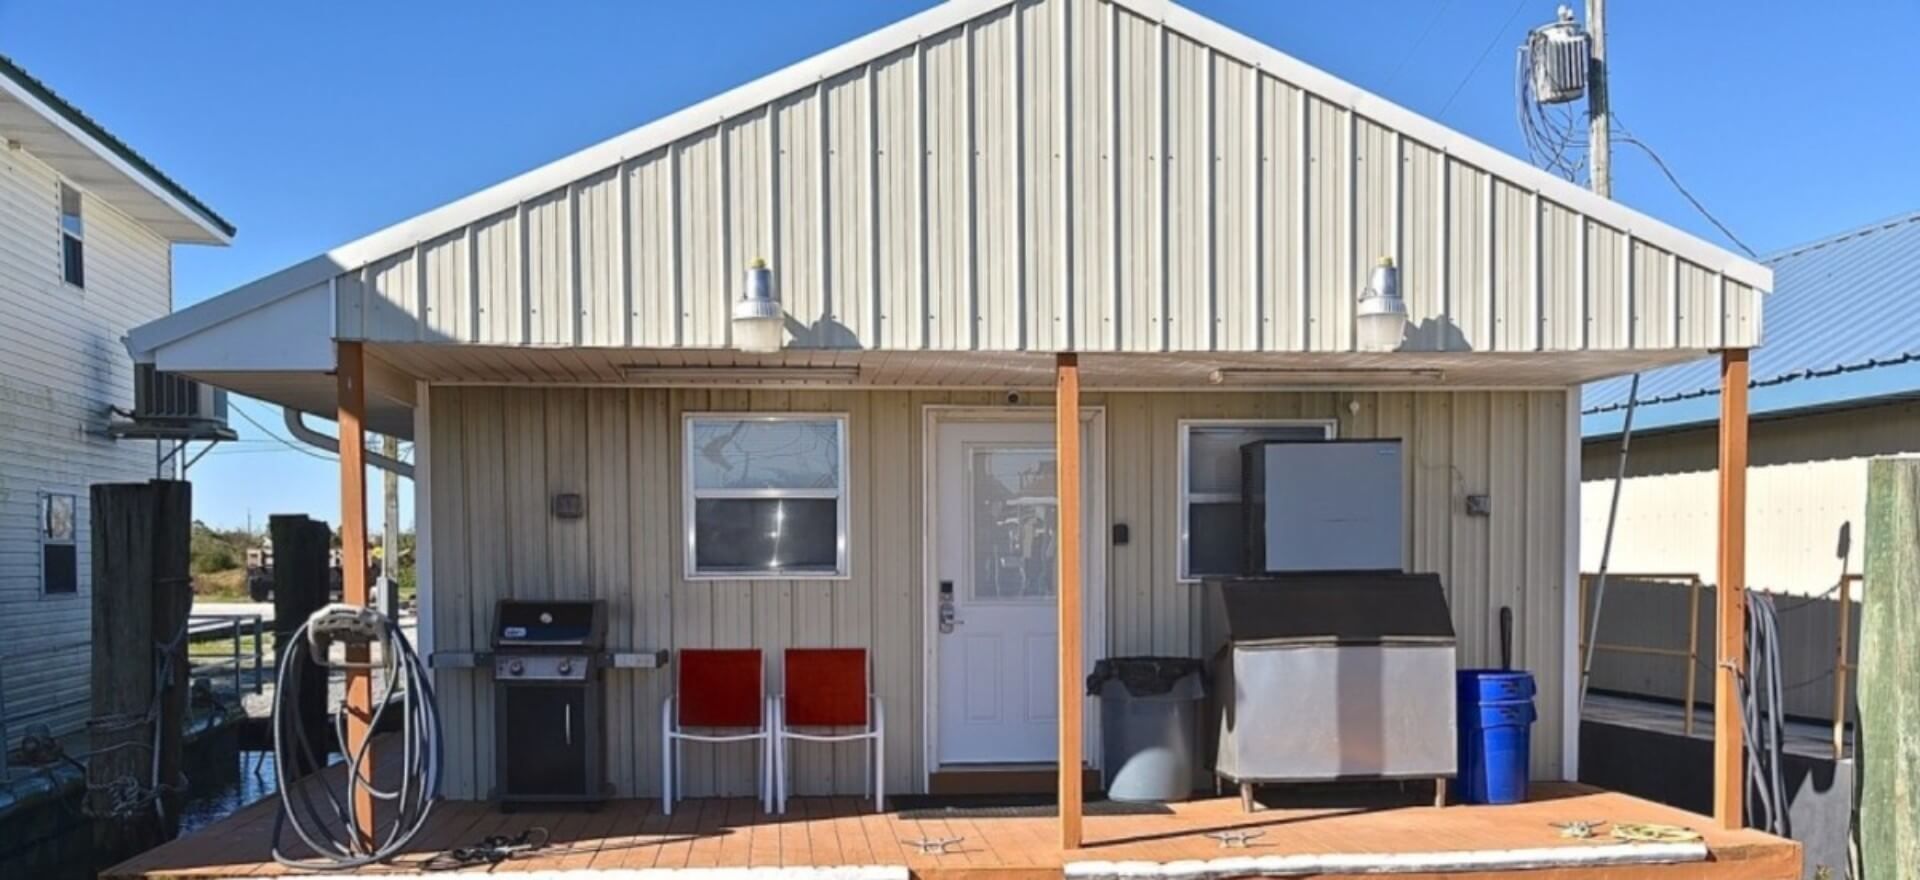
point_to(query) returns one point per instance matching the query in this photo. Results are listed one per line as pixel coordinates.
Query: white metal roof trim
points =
(1841, 304)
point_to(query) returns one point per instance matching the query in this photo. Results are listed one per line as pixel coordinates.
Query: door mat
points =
(936, 807)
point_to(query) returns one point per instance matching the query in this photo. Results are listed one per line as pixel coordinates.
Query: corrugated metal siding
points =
(1806, 482)
(497, 455)
(61, 366)
(1055, 174)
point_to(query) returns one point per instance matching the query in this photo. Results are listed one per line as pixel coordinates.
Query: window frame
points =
(1184, 499)
(690, 497)
(78, 234)
(42, 528)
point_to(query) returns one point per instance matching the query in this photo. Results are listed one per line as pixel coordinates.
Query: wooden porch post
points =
(352, 388)
(1066, 426)
(1729, 758)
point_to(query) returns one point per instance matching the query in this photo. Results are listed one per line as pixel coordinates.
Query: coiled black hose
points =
(327, 826)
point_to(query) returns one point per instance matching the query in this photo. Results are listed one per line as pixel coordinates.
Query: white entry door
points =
(997, 563)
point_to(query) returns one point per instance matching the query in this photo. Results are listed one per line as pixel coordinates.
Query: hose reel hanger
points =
(325, 807)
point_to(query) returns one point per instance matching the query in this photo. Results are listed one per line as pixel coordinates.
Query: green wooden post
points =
(1890, 674)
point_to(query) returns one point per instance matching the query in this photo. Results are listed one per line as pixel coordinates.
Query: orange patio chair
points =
(829, 698)
(722, 695)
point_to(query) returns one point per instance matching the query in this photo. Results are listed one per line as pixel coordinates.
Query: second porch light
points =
(759, 325)
(1381, 319)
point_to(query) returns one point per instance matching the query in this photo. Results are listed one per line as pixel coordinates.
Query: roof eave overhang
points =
(84, 156)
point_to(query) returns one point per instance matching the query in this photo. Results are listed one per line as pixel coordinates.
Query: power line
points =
(1439, 12)
(1483, 57)
(1626, 136)
(283, 441)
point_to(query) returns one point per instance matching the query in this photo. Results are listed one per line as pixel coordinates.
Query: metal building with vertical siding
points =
(946, 204)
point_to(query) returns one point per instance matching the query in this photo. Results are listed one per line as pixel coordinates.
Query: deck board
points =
(827, 832)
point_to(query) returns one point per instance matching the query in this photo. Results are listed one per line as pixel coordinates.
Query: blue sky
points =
(311, 124)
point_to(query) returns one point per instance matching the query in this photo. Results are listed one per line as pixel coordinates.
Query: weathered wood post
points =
(300, 550)
(1889, 674)
(141, 597)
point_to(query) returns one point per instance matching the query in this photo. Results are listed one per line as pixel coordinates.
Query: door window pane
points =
(1015, 522)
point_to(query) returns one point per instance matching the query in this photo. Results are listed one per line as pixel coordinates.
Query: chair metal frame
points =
(874, 737)
(673, 765)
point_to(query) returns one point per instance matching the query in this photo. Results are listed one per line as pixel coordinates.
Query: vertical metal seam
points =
(1674, 299)
(1399, 208)
(623, 227)
(873, 206)
(422, 306)
(1018, 109)
(723, 217)
(1303, 262)
(922, 285)
(1584, 319)
(676, 262)
(525, 280)
(1210, 158)
(1443, 244)
(1350, 232)
(1487, 220)
(1162, 295)
(1720, 307)
(1536, 286)
(775, 254)
(366, 297)
(1627, 286)
(575, 306)
(1117, 316)
(1256, 174)
(969, 159)
(1065, 314)
(823, 201)
(473, 282)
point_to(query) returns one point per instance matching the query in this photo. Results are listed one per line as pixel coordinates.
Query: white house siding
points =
(1053, 175)
(61, 365)
(1806, 480)
(495, 456)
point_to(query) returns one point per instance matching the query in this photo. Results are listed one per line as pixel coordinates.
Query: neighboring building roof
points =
(103, 164)
(1842, 328)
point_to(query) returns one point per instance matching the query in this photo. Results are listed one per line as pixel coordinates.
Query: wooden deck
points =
(826, 834)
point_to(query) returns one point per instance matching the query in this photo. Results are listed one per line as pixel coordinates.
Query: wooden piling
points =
(1889, 673)
(141, 598)
(300, 585)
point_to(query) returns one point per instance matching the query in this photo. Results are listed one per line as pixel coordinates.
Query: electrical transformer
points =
(1557, 57)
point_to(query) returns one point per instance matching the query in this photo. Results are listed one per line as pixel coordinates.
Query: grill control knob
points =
(566, 667)
(515, 667)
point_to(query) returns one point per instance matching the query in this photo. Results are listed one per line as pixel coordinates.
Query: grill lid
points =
(547, 623)
(1336, 608)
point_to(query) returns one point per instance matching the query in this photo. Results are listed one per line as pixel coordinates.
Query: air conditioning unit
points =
(160, 396)
(1557, 55)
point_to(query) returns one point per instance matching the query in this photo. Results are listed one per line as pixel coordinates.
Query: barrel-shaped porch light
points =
(759, 324)
(1381, 318)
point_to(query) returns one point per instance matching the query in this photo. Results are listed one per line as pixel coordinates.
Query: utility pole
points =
(1599, 125)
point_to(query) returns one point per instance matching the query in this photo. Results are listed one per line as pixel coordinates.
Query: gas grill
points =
(548, 728)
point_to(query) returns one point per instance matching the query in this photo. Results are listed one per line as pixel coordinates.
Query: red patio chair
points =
(830, 695)
(715, 690)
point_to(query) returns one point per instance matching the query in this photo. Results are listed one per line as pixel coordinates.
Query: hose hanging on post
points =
(405, 675)
(1763, 714)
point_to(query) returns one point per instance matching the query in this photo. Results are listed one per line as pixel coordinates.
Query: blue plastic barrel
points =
(1495, 742)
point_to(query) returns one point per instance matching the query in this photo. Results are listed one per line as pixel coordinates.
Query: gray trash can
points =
(1149, 725)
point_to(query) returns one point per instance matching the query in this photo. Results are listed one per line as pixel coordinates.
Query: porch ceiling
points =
(874, 369)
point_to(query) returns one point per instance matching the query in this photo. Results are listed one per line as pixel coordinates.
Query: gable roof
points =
(1715, 265)
(1841, 328)
(84, 151)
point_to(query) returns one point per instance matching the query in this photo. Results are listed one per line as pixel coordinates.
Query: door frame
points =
(1094, 590)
